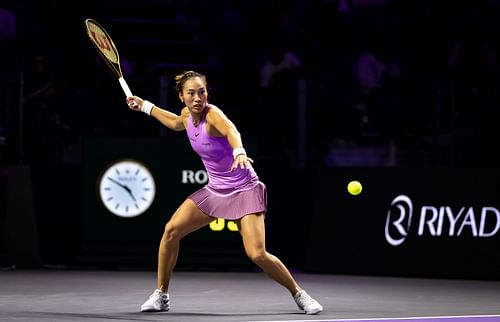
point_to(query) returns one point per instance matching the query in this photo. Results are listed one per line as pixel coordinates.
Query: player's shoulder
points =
(214, 111)
(185, 112)
(213, 108)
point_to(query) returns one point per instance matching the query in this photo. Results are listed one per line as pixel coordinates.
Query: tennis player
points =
(233, 192)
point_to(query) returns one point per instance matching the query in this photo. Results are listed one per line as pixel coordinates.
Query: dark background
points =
(434, 110)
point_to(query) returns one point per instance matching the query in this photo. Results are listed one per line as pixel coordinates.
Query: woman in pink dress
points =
(233, 192)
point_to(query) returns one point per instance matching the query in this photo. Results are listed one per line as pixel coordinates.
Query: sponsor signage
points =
(409, 222)
(431, 220)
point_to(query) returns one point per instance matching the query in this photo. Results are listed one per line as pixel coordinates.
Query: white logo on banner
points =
(398, 216)
(439, 221)
(190, 176)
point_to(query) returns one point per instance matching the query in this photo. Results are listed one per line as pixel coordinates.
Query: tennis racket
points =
(107, 50)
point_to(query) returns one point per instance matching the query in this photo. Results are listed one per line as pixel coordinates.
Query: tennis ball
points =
(354, 187)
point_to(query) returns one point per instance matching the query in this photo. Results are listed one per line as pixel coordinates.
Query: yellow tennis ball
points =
(354, 187)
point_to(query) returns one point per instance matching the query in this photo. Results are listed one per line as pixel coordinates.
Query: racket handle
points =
(125, 87)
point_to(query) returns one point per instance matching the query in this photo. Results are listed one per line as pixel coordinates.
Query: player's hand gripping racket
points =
(107, 50)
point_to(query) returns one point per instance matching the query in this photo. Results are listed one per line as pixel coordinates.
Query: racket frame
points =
(114, 66)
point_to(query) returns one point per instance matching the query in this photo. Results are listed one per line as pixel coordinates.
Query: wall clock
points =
(126, 188)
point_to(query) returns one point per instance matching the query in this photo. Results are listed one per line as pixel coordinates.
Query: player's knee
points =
(258, 257)
(170, 233)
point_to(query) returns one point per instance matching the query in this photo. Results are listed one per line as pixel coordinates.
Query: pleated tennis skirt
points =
(232, 204)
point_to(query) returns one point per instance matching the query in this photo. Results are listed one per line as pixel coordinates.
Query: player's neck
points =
(195, 119)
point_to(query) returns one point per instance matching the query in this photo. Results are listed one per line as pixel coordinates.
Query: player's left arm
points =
(225, 127)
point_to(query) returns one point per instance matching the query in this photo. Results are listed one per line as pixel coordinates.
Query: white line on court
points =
(393, 319)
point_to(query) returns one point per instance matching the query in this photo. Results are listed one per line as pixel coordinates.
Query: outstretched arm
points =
(167, 118)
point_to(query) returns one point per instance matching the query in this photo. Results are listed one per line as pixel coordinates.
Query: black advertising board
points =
(409, 222)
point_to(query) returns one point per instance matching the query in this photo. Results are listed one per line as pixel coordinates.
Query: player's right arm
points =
(167, 118)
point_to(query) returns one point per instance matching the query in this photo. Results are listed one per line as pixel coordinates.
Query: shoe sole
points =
(152, 310)
(314, 312)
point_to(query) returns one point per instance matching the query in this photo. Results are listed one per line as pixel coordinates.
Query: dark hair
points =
(181, 79)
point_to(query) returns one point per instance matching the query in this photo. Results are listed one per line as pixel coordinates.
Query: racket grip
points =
(125, 87)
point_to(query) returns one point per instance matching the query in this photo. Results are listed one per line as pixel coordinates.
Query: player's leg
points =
(186, 219)
(252, 230)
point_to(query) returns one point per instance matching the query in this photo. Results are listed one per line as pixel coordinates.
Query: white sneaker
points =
(158, 301)
(307, 303)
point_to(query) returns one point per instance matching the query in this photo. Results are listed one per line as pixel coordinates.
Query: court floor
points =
(92, 295)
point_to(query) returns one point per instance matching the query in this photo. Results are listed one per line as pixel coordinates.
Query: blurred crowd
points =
(402, 82)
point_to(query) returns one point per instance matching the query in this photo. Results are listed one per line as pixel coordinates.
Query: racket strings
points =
(102, 42)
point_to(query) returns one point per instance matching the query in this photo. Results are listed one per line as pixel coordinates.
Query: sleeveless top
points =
(217, 156)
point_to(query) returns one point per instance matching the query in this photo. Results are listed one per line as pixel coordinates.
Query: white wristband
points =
(238, 151)
(146, 107)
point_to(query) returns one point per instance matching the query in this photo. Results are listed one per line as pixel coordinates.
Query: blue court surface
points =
(97, 295)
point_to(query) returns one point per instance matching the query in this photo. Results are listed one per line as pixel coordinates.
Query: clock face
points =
(127, 188)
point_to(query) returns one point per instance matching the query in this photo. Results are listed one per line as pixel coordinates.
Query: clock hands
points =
(123, 186)
(137, 192)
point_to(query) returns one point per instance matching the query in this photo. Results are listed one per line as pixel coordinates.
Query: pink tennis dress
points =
(228, 194)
